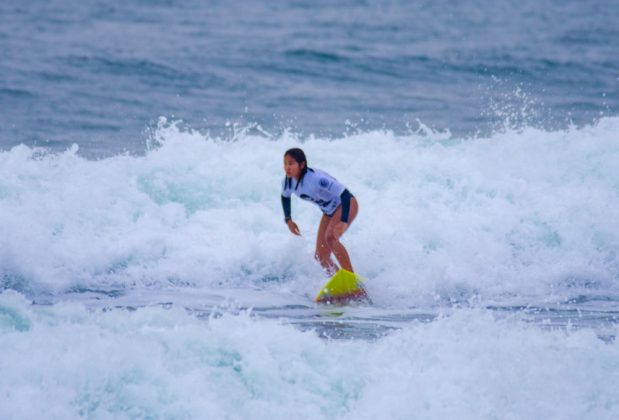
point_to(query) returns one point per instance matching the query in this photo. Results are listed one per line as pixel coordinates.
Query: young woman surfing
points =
(338, 205)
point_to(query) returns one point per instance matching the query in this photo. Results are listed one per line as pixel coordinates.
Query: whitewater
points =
(165, 284)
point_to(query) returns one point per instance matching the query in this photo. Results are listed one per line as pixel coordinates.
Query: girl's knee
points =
(330, 240)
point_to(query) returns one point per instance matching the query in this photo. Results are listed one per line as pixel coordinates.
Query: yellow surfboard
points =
(343, 287)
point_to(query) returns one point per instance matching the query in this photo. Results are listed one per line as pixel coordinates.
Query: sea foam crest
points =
(521, 212)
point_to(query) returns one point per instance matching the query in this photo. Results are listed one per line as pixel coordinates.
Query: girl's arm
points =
(286, 206)
(292, 226)
(345, 197)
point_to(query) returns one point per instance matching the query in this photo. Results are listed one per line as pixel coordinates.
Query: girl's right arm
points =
(287, 208)
(292, 226)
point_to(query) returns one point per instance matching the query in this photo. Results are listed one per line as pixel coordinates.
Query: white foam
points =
(64, 361)
(526, 213)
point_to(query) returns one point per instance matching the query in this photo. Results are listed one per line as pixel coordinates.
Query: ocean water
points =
(100, 74)
(145, 271)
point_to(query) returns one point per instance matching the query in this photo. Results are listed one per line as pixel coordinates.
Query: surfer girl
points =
(338, 205)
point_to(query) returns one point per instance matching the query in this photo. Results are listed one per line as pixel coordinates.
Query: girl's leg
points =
(334, 244)
(323, 252)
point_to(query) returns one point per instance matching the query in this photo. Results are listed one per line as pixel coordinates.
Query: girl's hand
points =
(339, 229)
(293, 227)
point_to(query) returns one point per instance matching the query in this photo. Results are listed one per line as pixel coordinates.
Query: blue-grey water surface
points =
(101, 73)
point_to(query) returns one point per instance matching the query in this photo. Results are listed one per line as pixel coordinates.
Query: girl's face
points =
(292, 167)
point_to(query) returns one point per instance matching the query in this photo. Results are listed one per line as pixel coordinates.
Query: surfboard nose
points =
(343, 287)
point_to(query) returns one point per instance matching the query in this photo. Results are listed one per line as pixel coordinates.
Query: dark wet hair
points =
(299, 156)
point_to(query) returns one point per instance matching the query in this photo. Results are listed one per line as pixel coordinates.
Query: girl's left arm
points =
(345, 197)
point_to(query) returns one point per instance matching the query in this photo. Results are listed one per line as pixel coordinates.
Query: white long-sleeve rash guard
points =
(318, 187)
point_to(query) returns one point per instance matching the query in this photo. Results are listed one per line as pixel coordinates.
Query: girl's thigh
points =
(337, 216)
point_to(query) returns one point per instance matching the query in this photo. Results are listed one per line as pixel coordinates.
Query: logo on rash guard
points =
(322, 203)
(324, 183)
